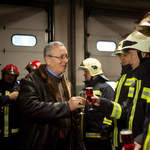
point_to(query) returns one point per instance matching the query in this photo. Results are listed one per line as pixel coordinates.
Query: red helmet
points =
(11, 69)
(33, 64)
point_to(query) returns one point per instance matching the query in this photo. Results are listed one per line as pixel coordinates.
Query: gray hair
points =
(49, 46)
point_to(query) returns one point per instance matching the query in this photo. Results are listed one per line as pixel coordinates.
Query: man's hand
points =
(137, 146)
(13, 95)
(76, 102)
(97, 100)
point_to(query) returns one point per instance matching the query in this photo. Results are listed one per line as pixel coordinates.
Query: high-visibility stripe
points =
(129, 81)
(97, 92)
(146, 94)
(117, 111)
(82, 120)
(118, 90)
(131, 92)
(6, 121)
(115, 133)
(107, 121)
(146, 145)
(116, 84)
(138, 87)
(15, 130)
(120, 138)
(93, 135)
(6, 118)
(0, 94)
(121, 81)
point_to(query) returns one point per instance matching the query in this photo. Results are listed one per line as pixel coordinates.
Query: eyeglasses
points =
(60, 58)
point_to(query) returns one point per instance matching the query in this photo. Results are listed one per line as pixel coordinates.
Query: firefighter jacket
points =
(121, 94)
(94, 124)
(9, 111)
(41, 112)
(146, 132)
(134, 109)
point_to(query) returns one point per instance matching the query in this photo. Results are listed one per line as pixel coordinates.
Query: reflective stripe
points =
(107, 121)
(121, 81)
(6, 121)
(117, 111)
(146, 94)
(6, 118)
(15, 130)
(115, 133)
(0, 94)
(138, 87)
(131, 92)
(97, 92)
(116, 85)
(129, 81)
(82, 120)
(146, 145)
(120, 138)
(93, 135)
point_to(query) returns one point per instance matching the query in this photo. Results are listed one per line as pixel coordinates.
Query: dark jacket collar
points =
(93, 82)
(143, 69)
(44, 73)
(126, 69)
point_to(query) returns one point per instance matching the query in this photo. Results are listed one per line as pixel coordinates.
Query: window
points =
(23, 40)
(106, 46)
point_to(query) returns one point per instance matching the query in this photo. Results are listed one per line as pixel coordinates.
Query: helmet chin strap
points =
(91, 77)
(140, 57)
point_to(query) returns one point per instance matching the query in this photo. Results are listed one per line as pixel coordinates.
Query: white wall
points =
(108, 28)
(21, 20)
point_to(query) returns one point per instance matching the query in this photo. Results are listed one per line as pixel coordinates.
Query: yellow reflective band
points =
(82, 120)
(107, 121)
(93, 135)
(6, 121)
(116, 84)
(146, 94)
(131, 92)
(117, 111)
(120, 138)
(115, 133)
(146, 145)
(138, 87)
(129, 81)
(0, 94)
(120, 83)
(97, 92)
(15, 130)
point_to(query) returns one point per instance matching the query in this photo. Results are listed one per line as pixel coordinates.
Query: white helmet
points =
(144, 25)
(119, 50)
(137, 41)
(94, 67)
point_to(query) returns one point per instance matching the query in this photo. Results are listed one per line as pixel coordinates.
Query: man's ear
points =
(47, 60)
(143, 54)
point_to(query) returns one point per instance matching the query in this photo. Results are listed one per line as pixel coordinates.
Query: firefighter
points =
(121, 92)
(9, 108)
(97, 128)
(32, 65)
(144, 28)
(134, 109)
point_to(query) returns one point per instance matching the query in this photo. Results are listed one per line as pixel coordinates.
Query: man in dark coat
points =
(47, 106)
